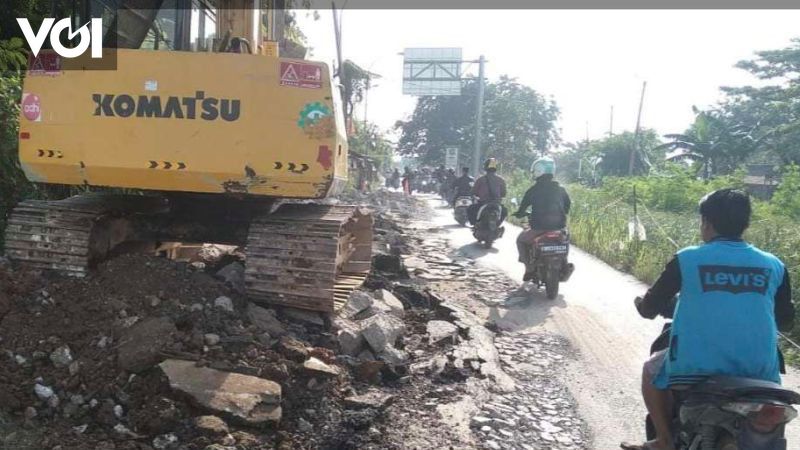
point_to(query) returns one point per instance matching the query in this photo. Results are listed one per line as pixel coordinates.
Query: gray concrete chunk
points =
(382, 330)
(251, 399)
(440, 330)
(359, 301)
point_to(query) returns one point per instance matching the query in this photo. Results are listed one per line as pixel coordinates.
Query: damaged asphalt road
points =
(594, 314)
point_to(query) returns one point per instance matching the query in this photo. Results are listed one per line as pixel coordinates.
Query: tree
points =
(12, 55)
(355, 81)
(608, 156)
(772, 112)
(519, 124)
(370, 141)
(716, 144)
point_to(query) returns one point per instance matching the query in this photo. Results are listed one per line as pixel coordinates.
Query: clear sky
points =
(586, 60)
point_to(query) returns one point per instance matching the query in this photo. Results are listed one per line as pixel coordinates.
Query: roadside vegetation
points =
(667, 209)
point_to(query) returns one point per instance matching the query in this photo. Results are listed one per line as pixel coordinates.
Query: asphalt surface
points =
(595, 312)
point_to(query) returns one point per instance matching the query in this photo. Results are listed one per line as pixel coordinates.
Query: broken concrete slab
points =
(394, 304)
(393, 356)
(264, 319)
(382, 330)
(440, 330)
(351, 341)
(250, 399)
(317, 367)
(479, 350)
(293, 349)
(433, 366)
(372, 399)
(142, 344)
(357, 302)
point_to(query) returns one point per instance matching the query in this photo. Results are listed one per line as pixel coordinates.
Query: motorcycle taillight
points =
(763, 417)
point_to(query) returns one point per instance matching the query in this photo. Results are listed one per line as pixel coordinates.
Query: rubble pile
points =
(132, 357)
(150, 353)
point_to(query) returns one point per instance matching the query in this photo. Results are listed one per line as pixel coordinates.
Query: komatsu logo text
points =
(199, 106)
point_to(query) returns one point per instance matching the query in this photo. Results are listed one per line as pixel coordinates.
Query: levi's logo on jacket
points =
(734, 279)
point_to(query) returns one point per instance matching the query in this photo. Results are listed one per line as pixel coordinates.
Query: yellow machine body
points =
(187, 122)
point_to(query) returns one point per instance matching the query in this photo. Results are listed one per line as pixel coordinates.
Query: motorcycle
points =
(547, 261)
(445, 193)
(728, 413)
(461, 209)
(488, 228)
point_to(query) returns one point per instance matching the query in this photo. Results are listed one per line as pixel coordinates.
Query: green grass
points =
(599, 225)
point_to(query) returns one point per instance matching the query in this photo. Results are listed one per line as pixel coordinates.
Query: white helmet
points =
(543, 166)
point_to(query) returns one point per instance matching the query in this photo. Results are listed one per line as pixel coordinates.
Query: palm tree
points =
(713, 143)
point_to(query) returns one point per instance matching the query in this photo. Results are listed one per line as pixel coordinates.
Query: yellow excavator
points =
(200, 133)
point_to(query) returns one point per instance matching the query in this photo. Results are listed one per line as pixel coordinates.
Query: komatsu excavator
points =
(201, 133)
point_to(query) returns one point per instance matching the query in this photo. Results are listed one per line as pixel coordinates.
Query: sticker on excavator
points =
(301, 75)
(44, 64)
(317, 121)
(31, 107)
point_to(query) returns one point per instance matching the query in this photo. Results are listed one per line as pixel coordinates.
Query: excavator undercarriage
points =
(301, 255)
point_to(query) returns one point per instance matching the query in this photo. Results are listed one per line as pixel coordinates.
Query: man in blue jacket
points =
(732, 300)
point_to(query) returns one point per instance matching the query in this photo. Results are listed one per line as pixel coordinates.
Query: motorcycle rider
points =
(408, 181)
(549, 203)
(487, 189)
(733, 300)
(446, 188)
(462, 186)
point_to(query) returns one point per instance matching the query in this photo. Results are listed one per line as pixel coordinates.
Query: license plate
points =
(553, 249)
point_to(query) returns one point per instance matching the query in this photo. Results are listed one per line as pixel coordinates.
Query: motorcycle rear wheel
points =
(551, 285)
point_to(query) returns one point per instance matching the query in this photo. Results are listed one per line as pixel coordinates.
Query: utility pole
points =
(366, 99)
(337, 31)
(611, 123)
(587, 132)
(476, 154)
(635, 147)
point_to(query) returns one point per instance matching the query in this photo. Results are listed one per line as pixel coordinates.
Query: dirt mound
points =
(81, 360)
(80, 355)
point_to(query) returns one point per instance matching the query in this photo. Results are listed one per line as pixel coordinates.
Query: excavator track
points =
(308, 256)
(55, 235)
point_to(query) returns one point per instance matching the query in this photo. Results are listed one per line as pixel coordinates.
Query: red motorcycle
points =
(547, 265)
